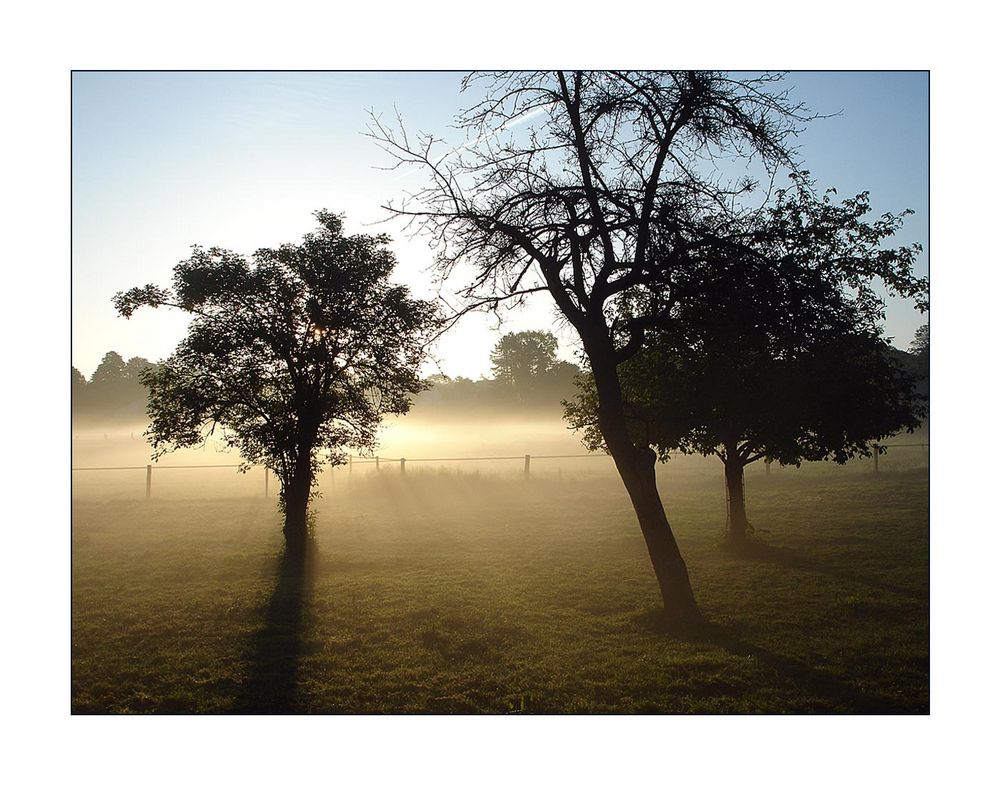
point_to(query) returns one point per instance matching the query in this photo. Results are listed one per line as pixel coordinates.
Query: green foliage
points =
(773, 348)
(297, 350)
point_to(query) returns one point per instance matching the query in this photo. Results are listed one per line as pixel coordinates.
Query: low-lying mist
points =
(110, 460)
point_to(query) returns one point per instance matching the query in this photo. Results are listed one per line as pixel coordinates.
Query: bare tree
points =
(597, 187)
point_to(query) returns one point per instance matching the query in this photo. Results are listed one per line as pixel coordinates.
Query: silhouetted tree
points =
(921, 344)
(520, 360)
(770, 355)
(78, 390)
(115, 390)
(591, 186)
(300, 349)
(918, 359)
(109, 374)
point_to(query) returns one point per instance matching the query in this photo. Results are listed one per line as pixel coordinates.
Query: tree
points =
(109, 388)
(773, 357)
(298, 350)
(918, 359)
(77, 390)
(593, 188)
(115, 390)
(921, 344)
(135, 391)
(521, 360)
(109, 372)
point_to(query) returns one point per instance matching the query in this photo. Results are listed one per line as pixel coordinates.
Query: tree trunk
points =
(297, 504)
(639, 477)
(738, 527)
(637, 467)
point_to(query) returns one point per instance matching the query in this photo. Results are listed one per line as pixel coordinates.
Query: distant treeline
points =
(113, 392)
(918, 360)
(460, 395)
(527, 377)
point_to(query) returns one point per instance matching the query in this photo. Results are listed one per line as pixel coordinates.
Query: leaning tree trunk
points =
(637, 467)
(738, 528)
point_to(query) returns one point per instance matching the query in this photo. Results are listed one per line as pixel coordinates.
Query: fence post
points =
(767, 466)
(527, 465)
(876, 459)
(267, 482)
(149, 480)
(376, 462)
(333, 477)
(402, 466)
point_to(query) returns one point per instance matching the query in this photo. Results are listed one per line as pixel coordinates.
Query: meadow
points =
(468, 589)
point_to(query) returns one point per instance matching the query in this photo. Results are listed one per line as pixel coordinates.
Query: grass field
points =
(452, 592)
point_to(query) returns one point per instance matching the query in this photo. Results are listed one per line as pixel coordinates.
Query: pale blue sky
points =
(165, 160)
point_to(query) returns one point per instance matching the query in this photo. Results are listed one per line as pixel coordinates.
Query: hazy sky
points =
(162, 161)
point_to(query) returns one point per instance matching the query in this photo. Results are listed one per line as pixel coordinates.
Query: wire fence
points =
(378, 461)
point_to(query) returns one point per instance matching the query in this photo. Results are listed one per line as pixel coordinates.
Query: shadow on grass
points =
(777, 555)
(276, 650)
(828, 693)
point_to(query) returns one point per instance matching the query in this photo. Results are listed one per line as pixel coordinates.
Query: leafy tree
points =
(299, 349)
(918, 359)
(921, 344)
(592, 187)
(109, 372)
(135, 367)
(521, 360)
(78, 390)
(771, 356)
(109, 389)
(115, 390)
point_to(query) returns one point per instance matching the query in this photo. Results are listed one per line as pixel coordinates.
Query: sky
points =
(165, 160)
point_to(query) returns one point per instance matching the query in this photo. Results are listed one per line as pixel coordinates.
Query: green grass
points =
(442, 592)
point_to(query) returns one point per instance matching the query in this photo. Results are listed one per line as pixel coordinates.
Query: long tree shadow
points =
(276, 650)
(779, 555)
(831, 693)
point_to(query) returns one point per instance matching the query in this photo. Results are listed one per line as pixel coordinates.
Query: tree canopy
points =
(114, 392)
(295, 351)
(921, 344)
(775, 351)
(525, 363)
(519, 357)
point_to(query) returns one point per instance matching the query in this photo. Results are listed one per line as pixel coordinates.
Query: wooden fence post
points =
(402, 466)
(527, 465)
(149, 480)
(376, 462)
(876, 459)
(767, 466)
(267, 482)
